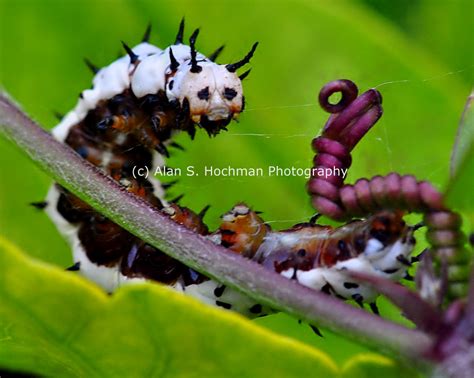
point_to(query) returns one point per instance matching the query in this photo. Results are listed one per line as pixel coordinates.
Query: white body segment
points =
(149, 77)
(108, 82)
(230, 299)
(152, 73)
(106, 277)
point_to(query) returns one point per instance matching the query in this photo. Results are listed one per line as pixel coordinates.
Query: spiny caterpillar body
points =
(128, 118)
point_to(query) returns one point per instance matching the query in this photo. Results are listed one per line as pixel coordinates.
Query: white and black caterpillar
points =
(128, 118)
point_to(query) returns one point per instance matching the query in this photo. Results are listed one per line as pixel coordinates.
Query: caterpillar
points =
(128, 118)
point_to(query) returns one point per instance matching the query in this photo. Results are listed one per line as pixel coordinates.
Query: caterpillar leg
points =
(39, 205)
(74, 268)
(316, 330)
(374, 308)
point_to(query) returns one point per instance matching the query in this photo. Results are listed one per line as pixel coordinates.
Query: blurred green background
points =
(418, 53)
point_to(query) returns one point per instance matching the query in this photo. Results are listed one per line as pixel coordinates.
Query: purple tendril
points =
(351, 118)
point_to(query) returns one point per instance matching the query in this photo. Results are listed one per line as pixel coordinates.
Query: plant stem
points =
(135, 215)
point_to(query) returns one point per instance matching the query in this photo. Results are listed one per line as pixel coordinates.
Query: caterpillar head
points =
(211, 94)
(242, 230)
(214, 96)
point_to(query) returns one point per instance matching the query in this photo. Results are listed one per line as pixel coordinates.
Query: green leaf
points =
(449, 42)
(303, 45)
(375, 366)
(459, 191)
(55, 323)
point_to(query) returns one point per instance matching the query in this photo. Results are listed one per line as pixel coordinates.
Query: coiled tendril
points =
(351, 118)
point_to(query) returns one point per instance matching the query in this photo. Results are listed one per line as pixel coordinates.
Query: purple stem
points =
(84, 180)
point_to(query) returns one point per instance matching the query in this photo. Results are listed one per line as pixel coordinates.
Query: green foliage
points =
(374, 366)
(444, 28)
(304, 44)
(54, 323)
(460, 189)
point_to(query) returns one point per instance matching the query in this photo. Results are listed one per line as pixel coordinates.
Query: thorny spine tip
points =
(213, 56)
(195, 68)
(131, 54)
(232, 67)
(245, 74)
(174, 63)
(180, 34)
(146, 35)
(91, 66)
